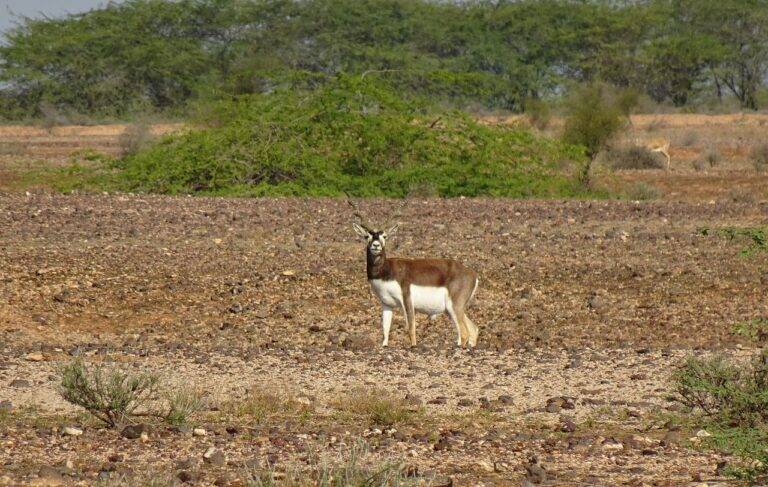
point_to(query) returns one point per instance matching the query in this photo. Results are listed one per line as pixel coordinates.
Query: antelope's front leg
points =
(410, 318)
(386, 324)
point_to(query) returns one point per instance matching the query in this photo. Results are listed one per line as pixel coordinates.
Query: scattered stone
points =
(555, 404)
(567, 425)
(236, 308)
(442, 482)
(438, 400)
(50, 474)
(464, 403)
(186, 476)
(214, 456)
(443, 444)
(485, 466)
(34, 357)
(672, 437)
(199, 432)
(134, 431)
(20, 383)
(72, 431)
(6, 405)
(224, 481)
(534, 472)
(703, 434)
(611, 444)
(182, 428)
(116, 458)
(506, 400)
(597, 302)
(315, 328)
(638, 376)
(413, 400)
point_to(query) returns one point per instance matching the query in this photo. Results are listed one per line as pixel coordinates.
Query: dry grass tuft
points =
(378, 407)
(263, 404)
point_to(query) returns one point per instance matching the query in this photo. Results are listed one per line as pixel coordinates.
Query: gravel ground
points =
(584, 309)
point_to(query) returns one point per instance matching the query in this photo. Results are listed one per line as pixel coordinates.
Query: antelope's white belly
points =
(426, 299)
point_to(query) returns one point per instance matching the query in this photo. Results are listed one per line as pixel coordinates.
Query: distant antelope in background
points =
(657, 144)
(429, 286)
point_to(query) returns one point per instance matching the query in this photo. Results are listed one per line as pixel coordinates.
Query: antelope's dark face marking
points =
(376, 242)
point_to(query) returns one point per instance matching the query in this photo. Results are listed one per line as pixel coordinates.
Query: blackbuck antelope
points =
(429, 286)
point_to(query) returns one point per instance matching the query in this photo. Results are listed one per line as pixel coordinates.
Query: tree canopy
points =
(160, 55)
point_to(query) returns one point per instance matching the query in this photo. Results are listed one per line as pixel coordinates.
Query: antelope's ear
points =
(362, 232)
(392, 230)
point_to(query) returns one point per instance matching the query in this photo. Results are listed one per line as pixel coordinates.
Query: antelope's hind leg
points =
(461, 330)
(473, 330)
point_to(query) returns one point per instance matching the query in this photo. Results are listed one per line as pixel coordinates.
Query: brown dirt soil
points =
(594, 301)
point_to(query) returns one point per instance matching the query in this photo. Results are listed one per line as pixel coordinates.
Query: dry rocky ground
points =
(262, 306)
(585, 309)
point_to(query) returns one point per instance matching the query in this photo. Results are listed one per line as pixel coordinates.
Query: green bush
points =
(595, 113)
(756, 237)
(112, 396)
(353, 135)
(734, 399)
(117, 397)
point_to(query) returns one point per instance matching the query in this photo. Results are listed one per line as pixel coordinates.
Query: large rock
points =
(214, 456)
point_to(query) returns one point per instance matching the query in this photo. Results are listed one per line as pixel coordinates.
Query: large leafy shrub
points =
(352, 135)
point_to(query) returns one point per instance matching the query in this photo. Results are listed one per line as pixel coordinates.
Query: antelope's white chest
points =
(426, 299)
(389, 292)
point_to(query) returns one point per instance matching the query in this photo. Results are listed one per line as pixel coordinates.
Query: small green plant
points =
(755, 329)
(353, 467)
(183, 405)
(756, 237)
(111, 395)
(733, 397)
(759, 156)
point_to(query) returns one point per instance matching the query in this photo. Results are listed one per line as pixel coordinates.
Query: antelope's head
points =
(375, 240)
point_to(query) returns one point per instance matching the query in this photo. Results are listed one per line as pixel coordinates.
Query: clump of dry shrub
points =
(377, 407)
(117, 397)
(759, 156)
(633, 157)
